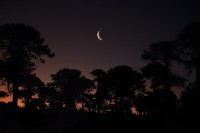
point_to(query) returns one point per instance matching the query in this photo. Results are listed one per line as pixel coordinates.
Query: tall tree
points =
(86, 86)
(30, 85)
(51, 95)
(188, 48)
(71, 86)
(123, 82)
(20, 45)
(101, 93)
(161, 56)
(66, 80)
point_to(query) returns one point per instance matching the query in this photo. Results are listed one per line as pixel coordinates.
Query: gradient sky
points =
(127, 27)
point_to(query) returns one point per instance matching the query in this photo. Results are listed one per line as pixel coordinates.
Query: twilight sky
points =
(127, 27)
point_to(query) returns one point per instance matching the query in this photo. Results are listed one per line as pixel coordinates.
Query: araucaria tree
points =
(21, 46)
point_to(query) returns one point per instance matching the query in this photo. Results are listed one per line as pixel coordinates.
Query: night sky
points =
(69, 27)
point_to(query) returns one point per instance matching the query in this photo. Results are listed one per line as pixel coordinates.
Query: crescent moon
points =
(98, 35)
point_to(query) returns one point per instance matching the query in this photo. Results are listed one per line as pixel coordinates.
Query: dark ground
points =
(23, 121)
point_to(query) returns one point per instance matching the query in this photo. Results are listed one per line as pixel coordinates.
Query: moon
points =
(98, 35)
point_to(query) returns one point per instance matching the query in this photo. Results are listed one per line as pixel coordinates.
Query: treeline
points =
(118, 90)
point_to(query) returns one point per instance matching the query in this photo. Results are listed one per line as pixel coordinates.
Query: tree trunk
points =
(154, 85)
(98, 98)
(15, 95)
(82, 105)
(168, 80)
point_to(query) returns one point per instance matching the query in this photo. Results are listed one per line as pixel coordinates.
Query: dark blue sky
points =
(127, 27)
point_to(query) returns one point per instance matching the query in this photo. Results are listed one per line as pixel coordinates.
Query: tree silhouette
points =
(142, 104)
(19, 45)
(30, 84)
(85, 88)
(3, 72)
(188, 48)
(71, 86)
(101, 90)
(163, 52)
(90, 102)
(161, 55)
(159, 74)
(155, 72)
(52, 95)
(123, 82)
(42, 95)
(3, 94)
(65, 80)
